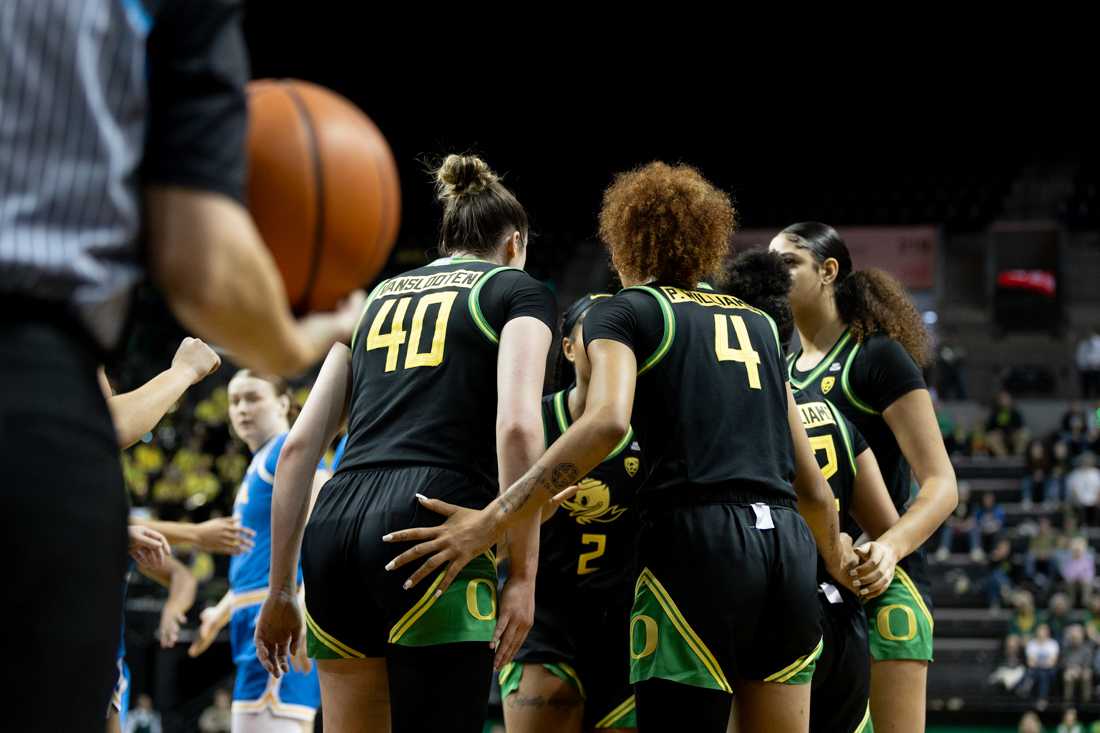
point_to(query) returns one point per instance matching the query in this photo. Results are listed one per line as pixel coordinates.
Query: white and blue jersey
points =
(295, 695)
(120, 697)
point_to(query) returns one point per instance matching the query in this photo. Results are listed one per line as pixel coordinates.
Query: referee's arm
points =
(204, 251)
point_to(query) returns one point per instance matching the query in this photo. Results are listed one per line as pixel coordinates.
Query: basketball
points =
(322, 188)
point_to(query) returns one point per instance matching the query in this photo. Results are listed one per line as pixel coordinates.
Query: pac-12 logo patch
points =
(827, 384)
(631, 464)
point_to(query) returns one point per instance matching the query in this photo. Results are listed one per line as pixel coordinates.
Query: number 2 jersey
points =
(710, 402)
(424, 366)
(588, 545)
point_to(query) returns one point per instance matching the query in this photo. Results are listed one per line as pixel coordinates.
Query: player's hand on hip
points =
(515, 615)
(225, 536)
(198, 359)
(466, 534)
(278, 631)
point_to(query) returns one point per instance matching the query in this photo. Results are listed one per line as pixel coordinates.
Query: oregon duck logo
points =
(631, 464)
(827, 384)
(593, 503)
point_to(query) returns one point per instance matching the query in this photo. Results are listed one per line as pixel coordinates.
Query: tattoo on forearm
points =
(561, 477)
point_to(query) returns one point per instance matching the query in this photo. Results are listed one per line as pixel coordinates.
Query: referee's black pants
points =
(62, 527)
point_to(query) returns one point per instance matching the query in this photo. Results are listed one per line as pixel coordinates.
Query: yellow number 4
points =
(393, 340)
(744, 352)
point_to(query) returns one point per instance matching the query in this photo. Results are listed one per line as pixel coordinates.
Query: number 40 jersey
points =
(424, 365)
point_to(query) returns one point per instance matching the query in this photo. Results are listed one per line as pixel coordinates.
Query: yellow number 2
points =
(744, 352)
(825, 443)
(393, 340)
(600, 541)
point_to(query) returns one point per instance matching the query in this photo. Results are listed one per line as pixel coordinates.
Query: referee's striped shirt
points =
(76, 108)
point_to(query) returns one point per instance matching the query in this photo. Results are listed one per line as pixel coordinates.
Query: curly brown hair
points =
(666, 223)
(872, 301)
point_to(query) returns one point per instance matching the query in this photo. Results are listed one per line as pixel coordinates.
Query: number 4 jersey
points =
(424, 365)
(710, 406)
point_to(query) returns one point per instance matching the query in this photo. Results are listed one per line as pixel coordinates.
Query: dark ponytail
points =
(869, 301)
(761, 279)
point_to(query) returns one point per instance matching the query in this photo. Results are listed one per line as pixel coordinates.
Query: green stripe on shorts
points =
(899, 623)
(467, 610)
(623, 715)
(662, 643)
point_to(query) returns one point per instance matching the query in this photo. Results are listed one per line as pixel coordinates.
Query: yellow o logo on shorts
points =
(884, 629)
(471, 600)
(650, 627)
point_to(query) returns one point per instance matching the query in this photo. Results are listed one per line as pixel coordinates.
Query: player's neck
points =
(574, 401)
(819, 330)
(497, 258)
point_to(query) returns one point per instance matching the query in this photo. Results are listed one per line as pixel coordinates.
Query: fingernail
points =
(408, 584)
(852, 573)
(855, 583)
(863, 592)
(387, 537)
(439, 594)
(421, 497)
(389, 565)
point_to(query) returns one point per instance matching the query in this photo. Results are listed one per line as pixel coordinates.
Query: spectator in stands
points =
(1083, 484)
(1074, 410)
(1005, 429)
(999, 580)
(1079, 570)
(990, 519)
(1088, 364)
(1061, 465)
(1030, 723)
(960, 524)
(1092, 621)
(218, 717)
(1042, 663)
(1077, 656)
(1041, 548)
(1038, 484)
(143, 719)
(1024, 618)
(1076, 436)
(1012, 670)
(1058, 617)
(1069, 722)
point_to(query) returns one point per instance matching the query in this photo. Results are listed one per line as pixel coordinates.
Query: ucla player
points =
(863, 343)
(259, 413)
(441, 390)
(572, 672)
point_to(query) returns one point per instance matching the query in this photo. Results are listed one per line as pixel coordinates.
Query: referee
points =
(122, 126)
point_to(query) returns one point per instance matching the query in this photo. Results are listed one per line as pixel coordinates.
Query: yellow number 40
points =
(744, 352)
(395, 338)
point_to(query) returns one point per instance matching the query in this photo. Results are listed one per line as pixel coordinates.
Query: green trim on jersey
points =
(838, 418)
(370, 299)
(475, 307)
(670, 328)
(703, 285)
(821, 365)
(775, 331)
(561, 414)
(668, 648)
(844, 384)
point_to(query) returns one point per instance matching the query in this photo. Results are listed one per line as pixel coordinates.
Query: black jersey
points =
(589, 542)
(710, 405)
(424, 364)
(862, 380)
(836, 443)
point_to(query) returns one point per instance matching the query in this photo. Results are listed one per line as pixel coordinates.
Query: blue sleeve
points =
(273, 454)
